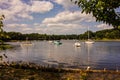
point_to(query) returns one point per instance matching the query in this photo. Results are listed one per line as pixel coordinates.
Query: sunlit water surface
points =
(99, 55)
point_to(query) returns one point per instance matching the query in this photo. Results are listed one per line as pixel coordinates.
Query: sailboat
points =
(89, 41)
(26, 43)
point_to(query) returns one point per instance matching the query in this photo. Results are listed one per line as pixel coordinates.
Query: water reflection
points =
(89, 46)
(99, 55)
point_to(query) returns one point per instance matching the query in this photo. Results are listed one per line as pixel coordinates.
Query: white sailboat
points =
(26, 43)
(50, 41)
(89, 41)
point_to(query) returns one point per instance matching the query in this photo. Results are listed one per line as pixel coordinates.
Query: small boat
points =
(77, 44)
(89, 41)
(57, 42)
(50, 41)
(26, 43)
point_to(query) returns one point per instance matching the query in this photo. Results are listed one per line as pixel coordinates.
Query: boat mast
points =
(88, 33)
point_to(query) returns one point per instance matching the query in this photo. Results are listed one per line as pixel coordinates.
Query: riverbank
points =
(30, 71)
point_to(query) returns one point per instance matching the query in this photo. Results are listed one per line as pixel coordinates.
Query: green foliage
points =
(102, 10)
(108, 34)
(36, 36)
(1, 23)
(98, 35)
(91, 34)
(2, 32)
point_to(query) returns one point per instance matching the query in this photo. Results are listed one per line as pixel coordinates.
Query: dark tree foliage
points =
(102, 10)
(108, 34)
(1, 25)
(98, 35)
(2, 32)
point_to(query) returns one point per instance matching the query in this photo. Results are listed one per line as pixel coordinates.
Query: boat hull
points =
(89, 42)
(77, 44)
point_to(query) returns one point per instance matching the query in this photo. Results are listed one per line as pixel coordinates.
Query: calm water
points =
(98, 55)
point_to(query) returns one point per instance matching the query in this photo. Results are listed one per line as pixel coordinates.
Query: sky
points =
(47, 17)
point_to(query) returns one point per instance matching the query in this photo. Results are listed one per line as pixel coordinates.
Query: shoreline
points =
(23, 72)
(68, 39)
(31, 71)
(26, 65)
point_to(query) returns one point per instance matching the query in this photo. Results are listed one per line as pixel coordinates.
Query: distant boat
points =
(50, 41)
(57, 42)
(89, 41)
(26, 43)
(77, 44)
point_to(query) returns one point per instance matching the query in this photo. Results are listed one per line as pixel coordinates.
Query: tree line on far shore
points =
(98, 35)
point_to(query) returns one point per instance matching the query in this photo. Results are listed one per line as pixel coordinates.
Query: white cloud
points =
(65, 3)
(16, 25)
(63, 25)
(24, 28)
(50, 28)
(41, 6)
(61, 28)
(27, 29)
(67, 22)
(68, 16)
(58, 28)
(36, 24)
(16, 9)
(104, 26)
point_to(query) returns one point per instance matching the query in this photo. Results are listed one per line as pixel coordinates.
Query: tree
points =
(91, 35)
(102, 10)
(2, 33)
(1, 22)
(1, 25)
